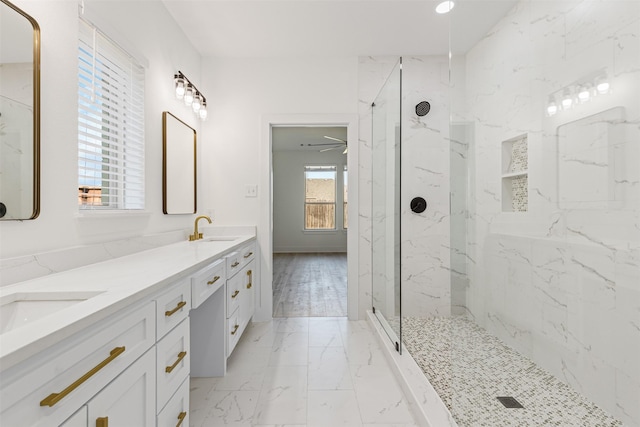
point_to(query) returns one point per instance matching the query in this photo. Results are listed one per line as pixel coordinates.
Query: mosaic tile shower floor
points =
(485, 368)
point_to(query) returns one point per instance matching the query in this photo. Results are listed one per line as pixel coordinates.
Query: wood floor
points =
(310, 285)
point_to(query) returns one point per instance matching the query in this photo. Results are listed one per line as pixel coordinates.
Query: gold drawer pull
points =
(235, 329)
(235, 264)
(181, 356)
(235, 294)
(102, 422)
(248, 255)
(54, 398)
(214, 280)
(176, 308)
(249, 285)
(181, 418)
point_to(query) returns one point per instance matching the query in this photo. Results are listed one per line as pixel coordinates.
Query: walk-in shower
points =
(517, 289)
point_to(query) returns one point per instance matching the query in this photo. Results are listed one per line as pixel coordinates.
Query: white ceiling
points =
(286, 28)
(296, 138)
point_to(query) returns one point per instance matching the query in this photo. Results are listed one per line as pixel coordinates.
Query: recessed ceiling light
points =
(445, 7)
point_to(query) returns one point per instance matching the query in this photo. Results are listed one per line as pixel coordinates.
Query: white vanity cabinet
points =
(132, 366)
(240, 294)
(128, 400)
(173, 349)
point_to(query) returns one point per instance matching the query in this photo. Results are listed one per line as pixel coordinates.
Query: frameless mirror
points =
(178, 166)
(19, 114)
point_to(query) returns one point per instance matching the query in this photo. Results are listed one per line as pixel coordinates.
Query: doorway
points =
(310, 220)
(269, 215)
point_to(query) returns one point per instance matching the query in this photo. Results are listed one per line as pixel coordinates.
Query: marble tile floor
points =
(470, 368)
(309, 284)
(311, 371)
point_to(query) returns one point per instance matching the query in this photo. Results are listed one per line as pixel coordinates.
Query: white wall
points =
(288, 203)
(242, 93)
(148, 29)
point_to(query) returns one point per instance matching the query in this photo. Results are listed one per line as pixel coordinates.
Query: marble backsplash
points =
(18, 269)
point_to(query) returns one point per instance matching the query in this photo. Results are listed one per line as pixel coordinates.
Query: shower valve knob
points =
(418, 205)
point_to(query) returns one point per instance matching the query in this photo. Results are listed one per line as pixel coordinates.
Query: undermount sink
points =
(21, 308)
(219, 239)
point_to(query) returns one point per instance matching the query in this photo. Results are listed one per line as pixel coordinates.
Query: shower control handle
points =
(418, 205)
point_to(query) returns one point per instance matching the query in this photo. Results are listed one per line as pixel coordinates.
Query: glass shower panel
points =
(386, 205)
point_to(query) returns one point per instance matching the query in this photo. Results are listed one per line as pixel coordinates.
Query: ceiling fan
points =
(332, 145)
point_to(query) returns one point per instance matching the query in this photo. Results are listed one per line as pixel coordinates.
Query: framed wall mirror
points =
(178, 166)
(19, 114)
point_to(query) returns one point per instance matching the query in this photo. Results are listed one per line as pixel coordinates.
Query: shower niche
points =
(515, 174)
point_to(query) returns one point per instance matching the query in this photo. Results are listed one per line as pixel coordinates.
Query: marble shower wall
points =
(425, 237)
(425, 244)
(560, 282)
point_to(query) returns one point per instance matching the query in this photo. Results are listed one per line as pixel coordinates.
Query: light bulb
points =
(584, 94)
(567, 100)
(445, 7)
(196, 102)
(203, 111)
(552, 109)
(603, 87)
(188, 95)
(179, 86)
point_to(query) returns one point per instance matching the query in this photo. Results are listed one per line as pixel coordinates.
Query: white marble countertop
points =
(122, 282)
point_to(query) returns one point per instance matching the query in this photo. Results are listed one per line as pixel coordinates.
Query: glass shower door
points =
(386, 205)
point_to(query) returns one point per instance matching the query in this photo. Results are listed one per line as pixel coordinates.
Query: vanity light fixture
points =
(579, 92)
(190, 94)
(445, 7)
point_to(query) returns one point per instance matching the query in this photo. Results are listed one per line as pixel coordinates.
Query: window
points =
(320, 197)
(110, 124)
(345, 187)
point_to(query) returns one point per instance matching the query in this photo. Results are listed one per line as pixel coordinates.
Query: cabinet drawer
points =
(233, 332)
(176, 413)
(173, 353)
(234, 263)
(93, 357)
(235, 287)
(248, 252)
(129, 400)
(173, 307)
(206, 282)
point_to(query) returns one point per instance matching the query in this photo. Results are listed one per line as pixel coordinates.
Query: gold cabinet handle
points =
(249, 285)
(214, 280)
(54, 398)
(176, 308)
(181, 356)
(235, 329)
(102, 422)
(181, 418)
(248, 255)
(235, 294)
(235, 264)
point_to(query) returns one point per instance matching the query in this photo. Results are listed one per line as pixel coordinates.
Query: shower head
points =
(423, 108)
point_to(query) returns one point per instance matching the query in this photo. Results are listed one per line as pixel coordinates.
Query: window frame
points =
(335, 197)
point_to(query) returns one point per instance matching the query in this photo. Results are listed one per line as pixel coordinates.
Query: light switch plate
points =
(251, 191)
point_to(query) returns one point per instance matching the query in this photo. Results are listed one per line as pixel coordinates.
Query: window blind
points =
(110, 124)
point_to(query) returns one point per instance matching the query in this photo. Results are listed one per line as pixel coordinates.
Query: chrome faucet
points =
(196, 235)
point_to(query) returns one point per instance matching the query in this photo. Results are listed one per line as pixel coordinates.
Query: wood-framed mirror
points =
(19, 114)
(179, 187)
